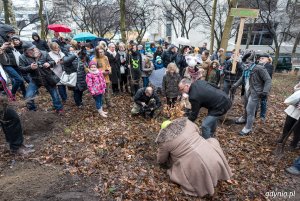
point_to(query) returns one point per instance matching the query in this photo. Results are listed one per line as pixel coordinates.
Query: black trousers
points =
(289, 122)
(123, 82)
(171, 101)
(12, 129)
(115, 88)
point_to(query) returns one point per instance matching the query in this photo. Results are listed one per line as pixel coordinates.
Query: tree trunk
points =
(296, 44)
(228, 26)
(276, 56)
(6, 11)
(122, 20)
(41, 3)
(212, 28)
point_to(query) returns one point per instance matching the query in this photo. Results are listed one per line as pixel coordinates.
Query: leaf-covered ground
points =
(119, 152)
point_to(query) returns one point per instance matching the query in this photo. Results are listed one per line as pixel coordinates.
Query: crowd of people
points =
(187, 75)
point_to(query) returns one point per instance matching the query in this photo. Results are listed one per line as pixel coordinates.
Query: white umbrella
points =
(183, 41)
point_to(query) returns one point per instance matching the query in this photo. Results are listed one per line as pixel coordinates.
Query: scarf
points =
(112, 53)
(248, 70)
(94, 72)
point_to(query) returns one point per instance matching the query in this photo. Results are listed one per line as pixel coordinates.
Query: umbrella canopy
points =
(59, 28)
(183, 41)
(84, 36)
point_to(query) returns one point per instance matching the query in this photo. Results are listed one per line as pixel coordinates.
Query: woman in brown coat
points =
(196, 164)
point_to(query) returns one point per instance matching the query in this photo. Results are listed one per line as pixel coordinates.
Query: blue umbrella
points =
(84, 36)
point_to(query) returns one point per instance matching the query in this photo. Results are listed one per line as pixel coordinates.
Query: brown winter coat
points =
(196, 164)
(205, 65)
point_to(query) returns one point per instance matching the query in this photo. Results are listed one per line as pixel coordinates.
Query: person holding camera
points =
(8, 59)
(38, 63)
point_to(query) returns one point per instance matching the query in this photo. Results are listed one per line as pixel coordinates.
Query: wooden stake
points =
(238, 44)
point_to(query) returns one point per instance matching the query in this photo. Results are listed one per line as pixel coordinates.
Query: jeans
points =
(297, 163)
(98, 99)
(31, 93)
(17, 80)
(209, 125)
(145, 81)
(263, 108)
(62, 90)
(77, 94)
(227, 86)
(253, 100)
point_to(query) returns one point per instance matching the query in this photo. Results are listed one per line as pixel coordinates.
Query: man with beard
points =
(38, 63)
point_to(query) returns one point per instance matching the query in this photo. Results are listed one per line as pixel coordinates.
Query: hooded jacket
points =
(168, 56)
(40, 44)
(8, 58)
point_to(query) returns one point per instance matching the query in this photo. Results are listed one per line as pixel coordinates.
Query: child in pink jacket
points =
(96, 85)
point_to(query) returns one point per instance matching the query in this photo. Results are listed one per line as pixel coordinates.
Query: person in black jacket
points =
(135, 68)
(38, 63)
(180, 60)
(115, 63)
(12, 128)
(72, 63)
(146, 102)
(203, 94)
(169, 55)
(40, 44)
(8, 59)
(231, 78)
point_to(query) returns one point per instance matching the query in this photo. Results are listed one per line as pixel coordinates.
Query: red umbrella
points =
(59, 28)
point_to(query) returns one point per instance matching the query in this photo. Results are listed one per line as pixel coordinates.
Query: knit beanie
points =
(93, 63)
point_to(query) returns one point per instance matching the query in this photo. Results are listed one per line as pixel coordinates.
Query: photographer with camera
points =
(38, 63)
(8, 59)
(146, 102)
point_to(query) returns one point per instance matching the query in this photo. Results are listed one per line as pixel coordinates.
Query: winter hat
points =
(264, 54)
(28, 46)
(158, 58)
(165, 124)
(92, 63)
(215, 61)
(16, 38)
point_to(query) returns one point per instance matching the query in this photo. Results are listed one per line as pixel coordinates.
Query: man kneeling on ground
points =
(146, 102)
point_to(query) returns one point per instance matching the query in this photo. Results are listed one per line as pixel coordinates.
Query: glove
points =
(263, 95)
(233, 88)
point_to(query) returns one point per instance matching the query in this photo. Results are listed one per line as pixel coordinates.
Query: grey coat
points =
(260, 80)
(170, 85)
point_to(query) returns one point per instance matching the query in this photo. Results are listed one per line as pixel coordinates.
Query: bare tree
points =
(277, 22)
(185, 12)
(96, 16)
(140, 17)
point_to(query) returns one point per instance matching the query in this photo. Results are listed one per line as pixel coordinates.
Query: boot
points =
(102, 114)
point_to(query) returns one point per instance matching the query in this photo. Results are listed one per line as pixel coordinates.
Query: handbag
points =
(69, 80)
